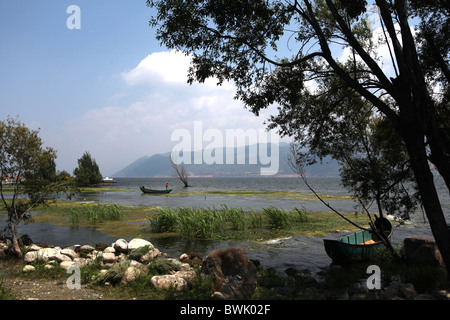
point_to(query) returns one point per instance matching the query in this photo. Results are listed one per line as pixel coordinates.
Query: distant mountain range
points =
(159, 165)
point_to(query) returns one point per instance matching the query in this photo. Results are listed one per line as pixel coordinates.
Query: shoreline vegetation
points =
(221, 223)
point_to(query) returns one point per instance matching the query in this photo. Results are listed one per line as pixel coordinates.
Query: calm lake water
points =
(296, 252)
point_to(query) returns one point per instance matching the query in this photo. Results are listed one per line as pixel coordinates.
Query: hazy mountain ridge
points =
(159, 165)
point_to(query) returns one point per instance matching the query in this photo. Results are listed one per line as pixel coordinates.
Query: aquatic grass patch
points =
(224, 222)
(200, 223)
(165, 221)
(264, 194)
(279, 218)
(95, 213)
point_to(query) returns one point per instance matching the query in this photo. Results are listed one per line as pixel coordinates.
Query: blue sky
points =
(108, 88)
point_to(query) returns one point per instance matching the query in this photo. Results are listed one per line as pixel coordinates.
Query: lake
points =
(287, 193)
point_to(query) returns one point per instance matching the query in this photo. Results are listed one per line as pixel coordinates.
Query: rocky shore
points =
(233, 275)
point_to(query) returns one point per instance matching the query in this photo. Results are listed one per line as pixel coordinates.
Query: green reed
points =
(95, 213)
(206, 223)
(279, 218)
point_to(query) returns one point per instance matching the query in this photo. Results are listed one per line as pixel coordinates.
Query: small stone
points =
(184, 256)
(109, 257)
(28, 268)
(67, 264)
(86, 249)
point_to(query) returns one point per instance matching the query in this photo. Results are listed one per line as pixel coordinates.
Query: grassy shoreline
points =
(224, 223)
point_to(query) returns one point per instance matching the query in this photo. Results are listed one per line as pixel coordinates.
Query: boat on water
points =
(359, 246)
(146, 190)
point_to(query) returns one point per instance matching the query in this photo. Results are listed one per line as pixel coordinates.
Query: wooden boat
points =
(145, 190)
(358, 246)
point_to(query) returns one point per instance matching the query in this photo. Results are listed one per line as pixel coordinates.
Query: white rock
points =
(121, 245)
(70, 253)
(44, 254)
(47, 254)
(131, 274)
(150, 255)
(30, 256)
(109, 257)
(164, 282)
(187, 275)
(109, 250)
(185, 267)
(137, 243)
(66, 264)
(33, 247)
(86, 248)
(62, 257)
(184, 256)
(28, 268)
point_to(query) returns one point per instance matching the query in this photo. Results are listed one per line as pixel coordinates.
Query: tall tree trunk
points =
(440, 151)
(15, 240)
(430, 199)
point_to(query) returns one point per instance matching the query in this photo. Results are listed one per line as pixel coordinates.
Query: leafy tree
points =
(380, 171)
(30, 169)
(375, 166)
(238, 41)
(87, 173)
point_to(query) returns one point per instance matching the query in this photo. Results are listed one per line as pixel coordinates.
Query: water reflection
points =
(296, 252)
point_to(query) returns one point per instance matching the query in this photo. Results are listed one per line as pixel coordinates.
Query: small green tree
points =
(87, 173)
(30, 170)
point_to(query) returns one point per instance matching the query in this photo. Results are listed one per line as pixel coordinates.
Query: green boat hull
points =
(359, 246)
(152, 191)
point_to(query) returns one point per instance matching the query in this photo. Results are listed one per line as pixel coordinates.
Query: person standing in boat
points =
(167, 186)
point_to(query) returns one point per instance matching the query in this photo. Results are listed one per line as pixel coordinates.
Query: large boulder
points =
(137, 243)
(70, 253)
(42, 254)
(130, 275)
(422, 251)
(167, 281)
(121, 246)
(109, 257)
(233, 273)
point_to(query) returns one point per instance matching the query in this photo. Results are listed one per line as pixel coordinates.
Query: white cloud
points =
(155, 101)
(160, 66)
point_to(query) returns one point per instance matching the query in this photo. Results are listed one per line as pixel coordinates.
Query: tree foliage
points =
(30, 171)
(239, 41)
(88, 172)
